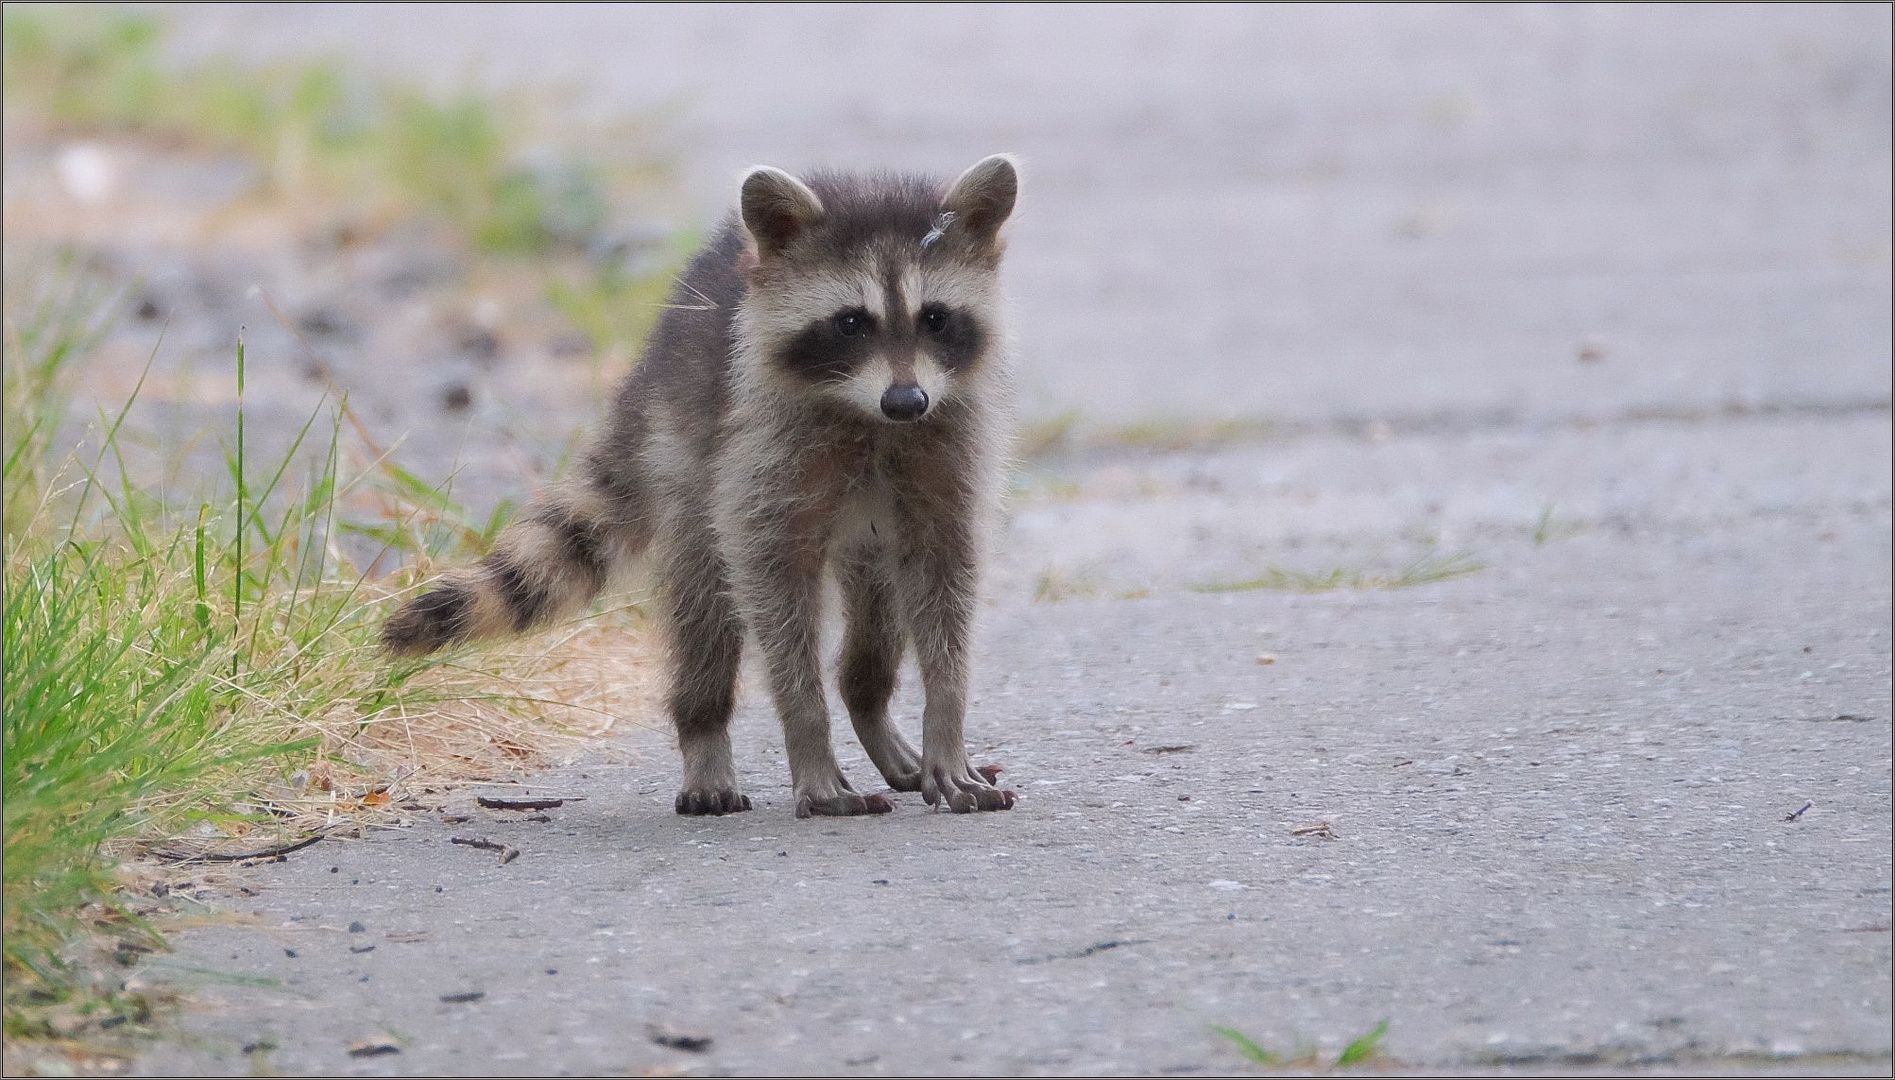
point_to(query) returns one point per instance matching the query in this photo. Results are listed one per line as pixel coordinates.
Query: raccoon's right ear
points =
(982, 199)
(776, 208)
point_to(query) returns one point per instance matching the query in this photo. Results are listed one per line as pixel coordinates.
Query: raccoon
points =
(827, 392)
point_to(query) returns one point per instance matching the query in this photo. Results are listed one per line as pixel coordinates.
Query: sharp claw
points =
(878, 804)
(991, 773)
(694, 803)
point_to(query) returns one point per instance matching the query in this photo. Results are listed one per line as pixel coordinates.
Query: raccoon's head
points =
(879, 292)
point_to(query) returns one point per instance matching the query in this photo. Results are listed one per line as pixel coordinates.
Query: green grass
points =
(312, 130)
(1363, 1049)
(163, 663)
(1423, 571)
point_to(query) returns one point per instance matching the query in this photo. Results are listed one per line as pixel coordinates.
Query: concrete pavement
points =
(1594, 299)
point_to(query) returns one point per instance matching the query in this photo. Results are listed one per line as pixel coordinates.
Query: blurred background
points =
(1235, 218)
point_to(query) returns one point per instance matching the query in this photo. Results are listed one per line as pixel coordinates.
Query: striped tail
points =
(548, 564)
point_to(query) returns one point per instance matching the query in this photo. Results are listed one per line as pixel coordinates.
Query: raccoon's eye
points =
(852, 323)
(934, 319)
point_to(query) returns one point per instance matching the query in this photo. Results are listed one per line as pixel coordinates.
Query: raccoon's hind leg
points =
(871, 661)
(706, 645)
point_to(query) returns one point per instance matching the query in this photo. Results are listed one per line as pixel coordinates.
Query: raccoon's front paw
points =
(963, 788)
(701, 801)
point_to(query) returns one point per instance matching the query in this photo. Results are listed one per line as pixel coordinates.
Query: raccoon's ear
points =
(983, 197)
(776, 208)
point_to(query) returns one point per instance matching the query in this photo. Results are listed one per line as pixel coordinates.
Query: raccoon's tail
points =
(549, 563)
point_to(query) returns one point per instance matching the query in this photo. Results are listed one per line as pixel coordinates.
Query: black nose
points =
(904, 402)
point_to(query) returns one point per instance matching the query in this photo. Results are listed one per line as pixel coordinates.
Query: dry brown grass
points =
(490, 715)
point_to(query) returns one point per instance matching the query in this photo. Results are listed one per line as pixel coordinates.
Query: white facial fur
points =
(864, 387)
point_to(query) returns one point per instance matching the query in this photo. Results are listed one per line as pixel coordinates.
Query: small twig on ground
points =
(518, 804)
(214, 856)
(508, 852)
(1799, 812)
(1320, 830)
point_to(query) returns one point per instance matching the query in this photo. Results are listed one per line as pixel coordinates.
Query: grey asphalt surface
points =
(1595, 298)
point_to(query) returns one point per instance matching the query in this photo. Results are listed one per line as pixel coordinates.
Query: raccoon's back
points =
(685, 369)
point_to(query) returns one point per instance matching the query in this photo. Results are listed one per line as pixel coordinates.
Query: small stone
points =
(1266, 658)
(321, 321)
(356, 928)
(480, 344)
(680, 1040)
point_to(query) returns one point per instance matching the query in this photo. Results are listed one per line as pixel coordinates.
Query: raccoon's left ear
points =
(776, 208)
(982, 198)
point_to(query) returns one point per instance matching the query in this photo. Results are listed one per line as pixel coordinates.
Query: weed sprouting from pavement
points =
(1248, 1047)
(1546, 530)
(1067, 431)
(1363, 1049)
(1426, 570)
(1177, 433)
(1053, 585)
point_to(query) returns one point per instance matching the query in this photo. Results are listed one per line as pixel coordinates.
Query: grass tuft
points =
(1067, 431)
(207, 674)
(1363, 1049)
(1426, 570)
(1053, 585)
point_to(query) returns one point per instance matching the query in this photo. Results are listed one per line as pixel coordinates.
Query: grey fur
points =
(768, 436)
